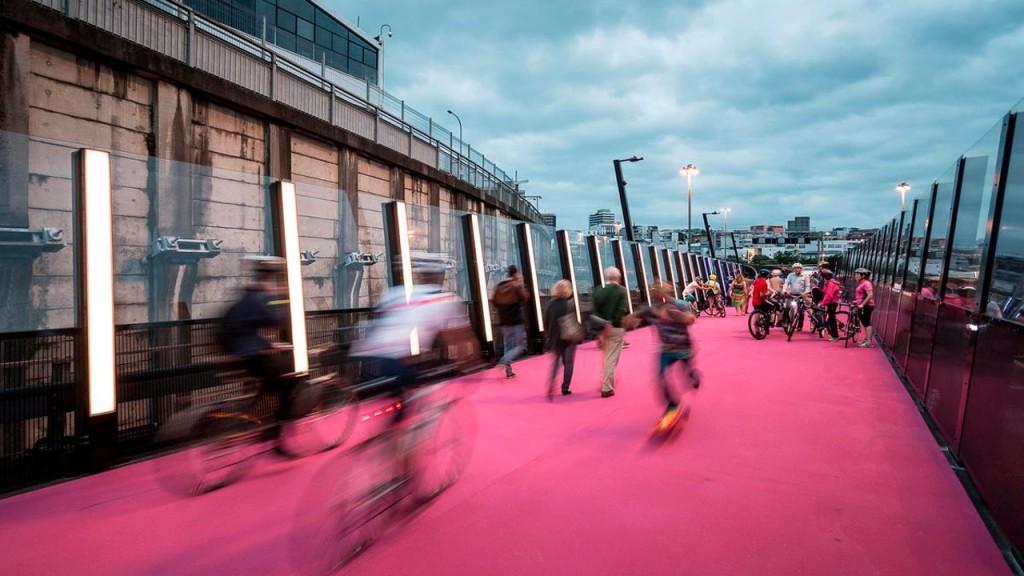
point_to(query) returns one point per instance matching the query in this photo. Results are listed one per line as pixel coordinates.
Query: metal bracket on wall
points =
(307, 257)
(175, 250)
(29, 242)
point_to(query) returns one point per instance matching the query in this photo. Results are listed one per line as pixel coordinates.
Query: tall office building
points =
(603, 217)
(799, 224)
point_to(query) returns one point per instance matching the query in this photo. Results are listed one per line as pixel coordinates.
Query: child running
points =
(672, 318)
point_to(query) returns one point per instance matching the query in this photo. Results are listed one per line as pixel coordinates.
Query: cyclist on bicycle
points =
(264, 305)
(796, 286)
(760, 293)
(408, 326)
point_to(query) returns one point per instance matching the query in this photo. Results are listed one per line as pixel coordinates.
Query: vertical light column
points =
(478, 277)
(652, 251)
(396, 238)
(94, 260)
(286, 240)
(670, 275)
(620, 263)
(596, 266)
(528, 263)
(641, 272)
(568, 270)
(683, 280)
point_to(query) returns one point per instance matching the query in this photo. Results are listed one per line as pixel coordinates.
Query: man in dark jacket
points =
(508, 298)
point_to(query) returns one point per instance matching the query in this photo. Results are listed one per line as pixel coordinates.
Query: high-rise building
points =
(645, 233)
(548, 219)
(799, 224)
(602, 217)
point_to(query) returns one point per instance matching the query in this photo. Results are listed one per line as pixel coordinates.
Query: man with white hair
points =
(796, 285)
(609, 308)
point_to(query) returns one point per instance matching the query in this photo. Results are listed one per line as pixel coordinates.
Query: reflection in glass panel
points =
(972, 216)
(333, 268)
(633, 273)
(916, 244)
(582, 269)
(545, 253)
(607, 252)
(451, 245)
(1006, 298)
(939, 235)
(648, 265)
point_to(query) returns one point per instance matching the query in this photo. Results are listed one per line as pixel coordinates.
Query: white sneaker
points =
(866, 344)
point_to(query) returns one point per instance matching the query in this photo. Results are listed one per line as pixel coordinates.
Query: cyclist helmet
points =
(713, 277)
(798, 266)
(863, 272)
(267, 264)
(764, 272)
(428, 267)
(825, 273)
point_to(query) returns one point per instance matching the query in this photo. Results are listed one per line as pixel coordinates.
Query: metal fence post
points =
(330, 104)
(190, 42)
(273, 76)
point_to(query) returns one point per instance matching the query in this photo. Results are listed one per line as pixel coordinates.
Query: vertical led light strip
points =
(597, 260)
(290, 247)
(572, 273)
(643, 273)
(625, 277)
(406, 259)
(535, 296)
(670, 275)
(478, 263)
(98, 272)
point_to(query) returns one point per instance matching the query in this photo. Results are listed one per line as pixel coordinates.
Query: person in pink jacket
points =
(830, 300)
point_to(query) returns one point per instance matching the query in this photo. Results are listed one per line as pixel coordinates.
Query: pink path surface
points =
(821, 466)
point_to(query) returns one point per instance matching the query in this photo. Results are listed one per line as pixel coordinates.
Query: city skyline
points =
(822, 107)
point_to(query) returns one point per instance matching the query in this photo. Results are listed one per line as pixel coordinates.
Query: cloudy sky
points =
(799, 107)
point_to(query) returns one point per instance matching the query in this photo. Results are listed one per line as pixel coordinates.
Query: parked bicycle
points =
(854, 328)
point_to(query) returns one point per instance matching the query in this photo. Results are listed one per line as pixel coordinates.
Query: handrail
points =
(453, 156)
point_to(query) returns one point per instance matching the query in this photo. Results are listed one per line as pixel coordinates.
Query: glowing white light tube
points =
(98, 275)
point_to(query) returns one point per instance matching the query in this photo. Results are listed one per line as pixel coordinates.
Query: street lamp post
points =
(725, 217)
(903, 188)
(380, 58)
(460, 140)
(707, 229)
(621, 183)
(690, 170)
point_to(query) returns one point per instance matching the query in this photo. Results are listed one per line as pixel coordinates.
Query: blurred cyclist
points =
(761, 292)
(263, 307)
(410, 326)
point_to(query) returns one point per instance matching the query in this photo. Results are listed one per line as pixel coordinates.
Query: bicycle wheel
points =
(757, 323)
(329, 405)
(852, 328)
(229, 442)
(791, 326)
(842, 321)
(442, 442)
(347, 506)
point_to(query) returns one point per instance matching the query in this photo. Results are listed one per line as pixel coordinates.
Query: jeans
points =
(566, 355)
(612, 350)
(665, 361)
(514, 340)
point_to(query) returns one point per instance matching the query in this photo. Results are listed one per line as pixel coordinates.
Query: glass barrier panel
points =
(37, 280)
(582, 269)
(332, 266)
(545, 252)
(916, 242)
(939, 236)
(1006, 297)
(904, 244)
(607, 252)
(634, 274)
(972, 218)
(448, 245)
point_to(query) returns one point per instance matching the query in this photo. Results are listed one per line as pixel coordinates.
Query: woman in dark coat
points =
(563, 350)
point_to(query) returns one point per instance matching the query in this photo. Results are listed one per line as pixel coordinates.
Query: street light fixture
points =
(460, 139)
(725, 216)
(707, 229)
(690, 170)
(621, 183)
(903, 188)
(380, 42)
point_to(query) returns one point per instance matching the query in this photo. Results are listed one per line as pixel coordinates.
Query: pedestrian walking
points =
(563, 334)
(739, 293)
(509, 297)
(609, 308)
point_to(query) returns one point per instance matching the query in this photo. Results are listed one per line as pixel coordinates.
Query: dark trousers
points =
(271, 369)
(665, 361)
(564, 353)
(402, 379)
(830, 320)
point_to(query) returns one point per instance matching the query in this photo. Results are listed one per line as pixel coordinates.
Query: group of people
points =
(609, 320)
(821, 291)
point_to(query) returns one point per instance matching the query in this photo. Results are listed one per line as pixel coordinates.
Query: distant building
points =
(768, 228)
(799, 224)
(645, 233)
(602, 217)
(611, 230)
(548, 219)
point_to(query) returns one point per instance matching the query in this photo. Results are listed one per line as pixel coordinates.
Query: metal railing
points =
(312, 87)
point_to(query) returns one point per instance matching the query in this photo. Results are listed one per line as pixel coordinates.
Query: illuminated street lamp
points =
(725, 216)
(903, 188)
(690, 170)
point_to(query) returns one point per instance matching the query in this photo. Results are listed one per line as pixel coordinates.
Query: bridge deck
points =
(821, 466)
